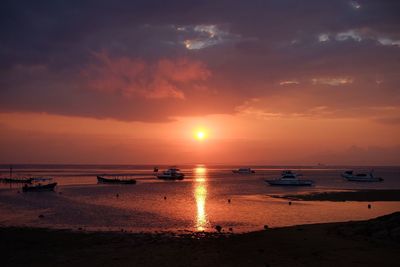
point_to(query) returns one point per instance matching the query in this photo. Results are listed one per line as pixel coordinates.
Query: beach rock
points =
(266, 227)
(218, 228)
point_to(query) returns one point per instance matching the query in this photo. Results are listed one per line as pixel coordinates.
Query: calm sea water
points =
(195, 204)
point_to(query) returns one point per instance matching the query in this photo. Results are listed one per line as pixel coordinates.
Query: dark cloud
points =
(248, 49)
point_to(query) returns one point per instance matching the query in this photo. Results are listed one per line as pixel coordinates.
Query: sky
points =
(268, 82)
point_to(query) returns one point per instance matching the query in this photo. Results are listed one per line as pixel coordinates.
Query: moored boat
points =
(39, 187)
(243, 171)
(171, 174)
(360, 177)
(289, 178)
(115, 180)
(17, 180)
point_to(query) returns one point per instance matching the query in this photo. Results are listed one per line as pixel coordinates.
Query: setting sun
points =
(200, 135)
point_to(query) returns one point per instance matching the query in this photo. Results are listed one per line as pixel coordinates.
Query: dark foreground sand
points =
(367, 243)
(359, 195)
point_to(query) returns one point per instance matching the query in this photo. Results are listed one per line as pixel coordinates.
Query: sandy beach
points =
(362, 243)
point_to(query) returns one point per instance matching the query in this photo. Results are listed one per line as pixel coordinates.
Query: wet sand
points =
(359, 195)
(374, 242)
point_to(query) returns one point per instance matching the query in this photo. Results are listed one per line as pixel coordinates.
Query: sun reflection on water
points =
(200, 194)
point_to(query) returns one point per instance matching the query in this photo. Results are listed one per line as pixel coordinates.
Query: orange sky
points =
(231, 139)
(130, 82)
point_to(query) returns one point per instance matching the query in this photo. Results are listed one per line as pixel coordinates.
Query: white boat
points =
(171, 174)
(243, 171)
(289, 178)
(361, 177)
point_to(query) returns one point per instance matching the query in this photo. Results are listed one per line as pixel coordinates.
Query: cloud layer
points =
(152, 61)
(136, 78)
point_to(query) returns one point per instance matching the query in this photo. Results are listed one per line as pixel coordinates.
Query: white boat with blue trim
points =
(171, 174)
(289, 178)
(361, 177)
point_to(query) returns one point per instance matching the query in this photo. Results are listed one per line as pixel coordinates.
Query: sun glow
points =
(200, 134)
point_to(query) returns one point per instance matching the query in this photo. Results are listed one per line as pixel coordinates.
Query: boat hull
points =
(114, 180)
(366, 179)
(290, 183)
(39, 188)
(239, 172)
(169, 177)
(17, 181)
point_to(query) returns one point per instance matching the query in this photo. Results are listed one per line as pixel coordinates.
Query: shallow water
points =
(197, 203)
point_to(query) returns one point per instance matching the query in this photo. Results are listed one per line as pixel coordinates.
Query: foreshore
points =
(374, 242)
(353, 195)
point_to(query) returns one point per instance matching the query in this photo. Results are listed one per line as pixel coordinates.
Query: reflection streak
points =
(200, 194)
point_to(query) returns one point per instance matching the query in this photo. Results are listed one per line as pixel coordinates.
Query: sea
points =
(210, 195)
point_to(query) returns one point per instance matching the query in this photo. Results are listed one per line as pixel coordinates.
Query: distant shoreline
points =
(353, 195)
(16, 166)
(359, 243)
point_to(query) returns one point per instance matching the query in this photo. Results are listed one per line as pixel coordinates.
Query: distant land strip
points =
(358, 195)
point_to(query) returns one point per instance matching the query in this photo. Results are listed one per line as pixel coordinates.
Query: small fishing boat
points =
(39, 187)
(115, 180)
(289, 178)
(243, 171)
(171, 174)
(11, 180)
(361, 177)
(17, 180)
